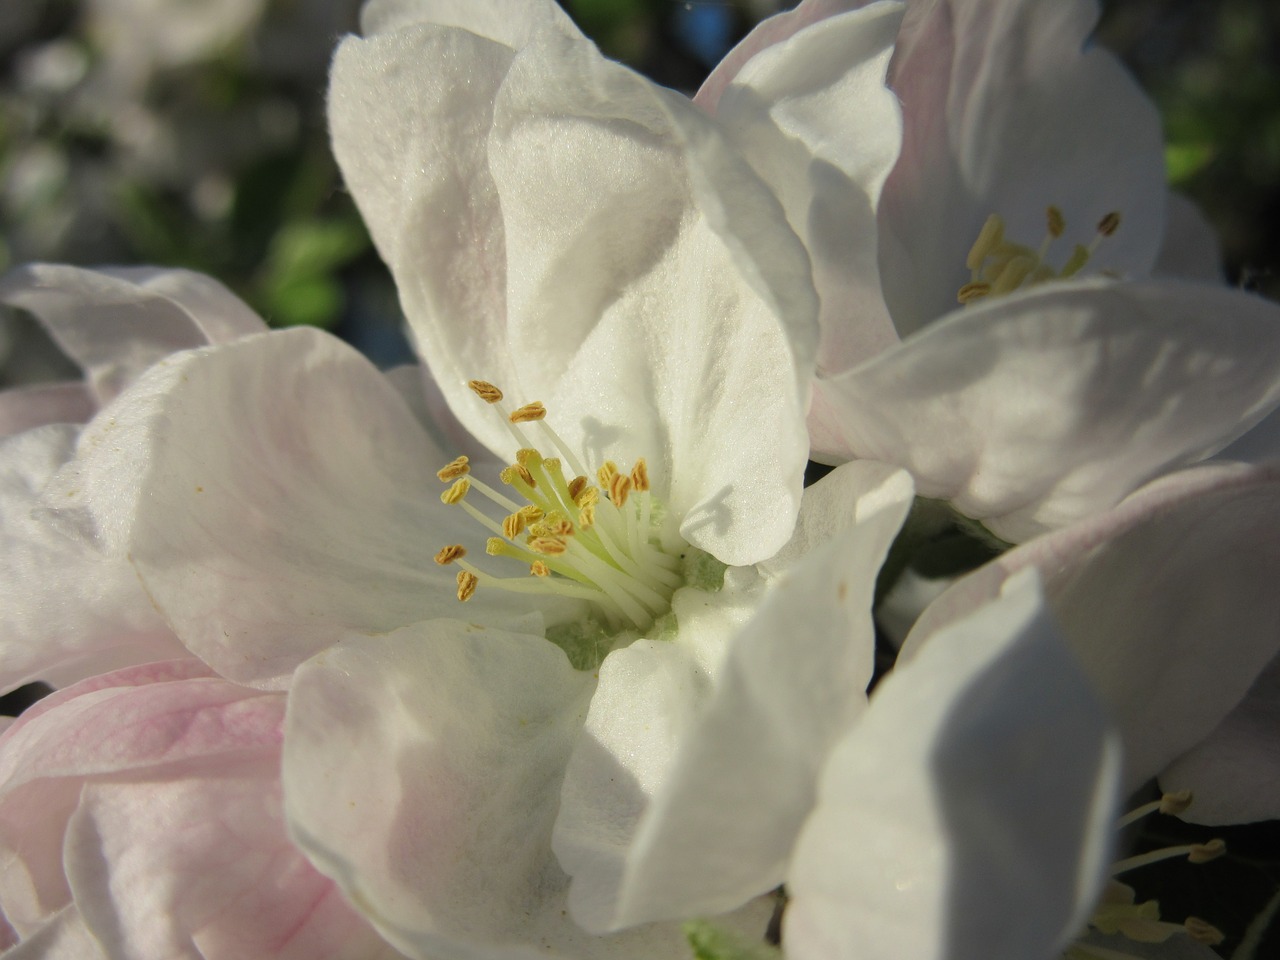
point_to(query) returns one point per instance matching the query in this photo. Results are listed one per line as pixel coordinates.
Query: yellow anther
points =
(1057, 223)
(1204, 852)
(576, 486)
(456, 492)
(972, 291)
(1175, 803)
(530, 411)
(515, 472)
(548, 546)
(608, 470)
(513, 525)
(988, 239)
(1109, 224)
(619, 489)
(496, 547)
(454, 469)
(588, 497)
(539, 569)
(450, 553)
(467, 583)
(558, 525)
(525, 454)
(531, 513)
(587, 516)
(640, 476)
(1202, 932)
(552, 464)
(485, 391)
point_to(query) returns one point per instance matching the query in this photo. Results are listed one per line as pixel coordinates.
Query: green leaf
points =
(710, 942)
(1182, 161)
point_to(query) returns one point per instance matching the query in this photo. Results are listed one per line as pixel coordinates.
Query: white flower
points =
(1056, 391)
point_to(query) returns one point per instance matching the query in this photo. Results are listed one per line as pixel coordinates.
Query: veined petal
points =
(1042, 408)
(698, 766)
(116, 323)
(67, 610)
(1008, 111)
(1168, 601)
(813, 116)
(274, 495)
(509, 22)
(422, 772)
(968, 814)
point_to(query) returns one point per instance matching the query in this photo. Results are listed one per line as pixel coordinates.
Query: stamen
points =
(576, 486)
(528, 413)
(1171, 804)
(1202, 932)
(608, 470)
(513, 525)
(640, 476)
(1109, 224)
(1195, 852)
(454, 469)
(1079, 257)
(619, 488)
(1057, 223)
(972, 291)
(517, 471)
(989, 238)
(548, 546)
(467, 583)
(485, 390)
(456, 492)
(539, 569)
(450, 553)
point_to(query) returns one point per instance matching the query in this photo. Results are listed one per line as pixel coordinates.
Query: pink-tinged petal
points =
(813, 116)
(23, 408)
(1038, 409)
(67, 611)
(116, 323)
(509, 22)
(200, 867)
(689, 787)
(422, 772)
(619, 261)
(968, 814)
(63, 937)
(274, 494)
(1190, 250)
(1168, 600)
(765, 34)
(1006, 113)
(1234, 773)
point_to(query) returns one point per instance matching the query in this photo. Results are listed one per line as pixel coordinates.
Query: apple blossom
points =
(1030, 171)
(68, 611)
(140, 816)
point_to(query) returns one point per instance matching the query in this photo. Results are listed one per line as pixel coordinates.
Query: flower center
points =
(595, 542)
(1118, 913)
(998, 266)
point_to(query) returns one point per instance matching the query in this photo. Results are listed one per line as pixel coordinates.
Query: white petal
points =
(701, 753)
(813, 116)
(621, 263)
(1006, 114)
(67, 611)
(63, 937)
(274, 494)
(422, 772)
(22, 408)
(968, 814)
(509, 22)
(116, 323)
(1168, 600)
(1035, 410)
(1234, 773)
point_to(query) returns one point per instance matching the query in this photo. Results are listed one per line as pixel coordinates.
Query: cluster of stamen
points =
(588, 541)
(998, 266)
(1120, 913)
